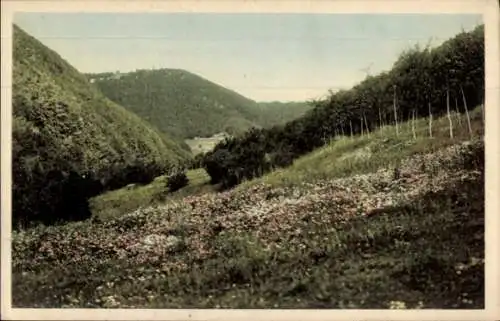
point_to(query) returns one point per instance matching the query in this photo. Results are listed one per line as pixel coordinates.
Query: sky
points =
(265, 57)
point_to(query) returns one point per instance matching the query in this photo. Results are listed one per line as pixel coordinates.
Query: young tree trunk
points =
(342, 129)
(466, 111)
(430, 120)
(416, 119)
(381, 124)
(413, 125)
(362, 126)
(408, 122)
(448, 111)
(458, 112)
(395, 111)
(366, 125)
(350, 125)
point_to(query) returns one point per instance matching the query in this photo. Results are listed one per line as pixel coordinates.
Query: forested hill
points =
(178, 102)
(423, 82)
(278, 113)
(186, 105)
(69, 141)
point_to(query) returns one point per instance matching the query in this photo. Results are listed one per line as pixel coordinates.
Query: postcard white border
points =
(488, 8)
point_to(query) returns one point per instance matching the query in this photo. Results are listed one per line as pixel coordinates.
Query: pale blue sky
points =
(262, 56)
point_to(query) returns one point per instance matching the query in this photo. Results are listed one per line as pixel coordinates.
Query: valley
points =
(223, 248)
(161, 189)
(200, 145)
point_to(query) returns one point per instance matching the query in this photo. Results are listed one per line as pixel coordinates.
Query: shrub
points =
(177, 180)
(216, 164)
(282, 158)
(197, 161)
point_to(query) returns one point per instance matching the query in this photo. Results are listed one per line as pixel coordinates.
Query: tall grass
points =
(122, 201)
(387, 146)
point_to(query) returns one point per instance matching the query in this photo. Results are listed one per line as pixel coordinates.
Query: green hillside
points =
(69, 141)
(186, 106)
(279, 113)
(178, 102)
(372, 199)
(368, 240)
(341, 158)
(345, 156)
(423, 82)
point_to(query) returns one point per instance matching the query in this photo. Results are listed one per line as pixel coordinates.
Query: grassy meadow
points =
(122, 201)
(346, 156)
(106, 213)
(337, 229)
(203, 144)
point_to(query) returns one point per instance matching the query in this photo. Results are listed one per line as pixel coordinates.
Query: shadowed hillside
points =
(69, 141)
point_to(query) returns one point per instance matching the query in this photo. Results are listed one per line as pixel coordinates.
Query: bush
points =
(282, 158)
(177, 180)
(216, 163)
(197, 161)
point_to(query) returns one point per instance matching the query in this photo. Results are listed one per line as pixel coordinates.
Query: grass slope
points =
(346, 156)
(62, 124)
(119, 202)
(372, 240)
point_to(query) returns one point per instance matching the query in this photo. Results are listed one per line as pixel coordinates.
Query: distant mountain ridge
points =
(178, 102)
(186, 105)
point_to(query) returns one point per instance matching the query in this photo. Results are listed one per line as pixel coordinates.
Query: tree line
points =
(423, 82)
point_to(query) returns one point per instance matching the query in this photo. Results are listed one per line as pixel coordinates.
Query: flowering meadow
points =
(405, 237)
